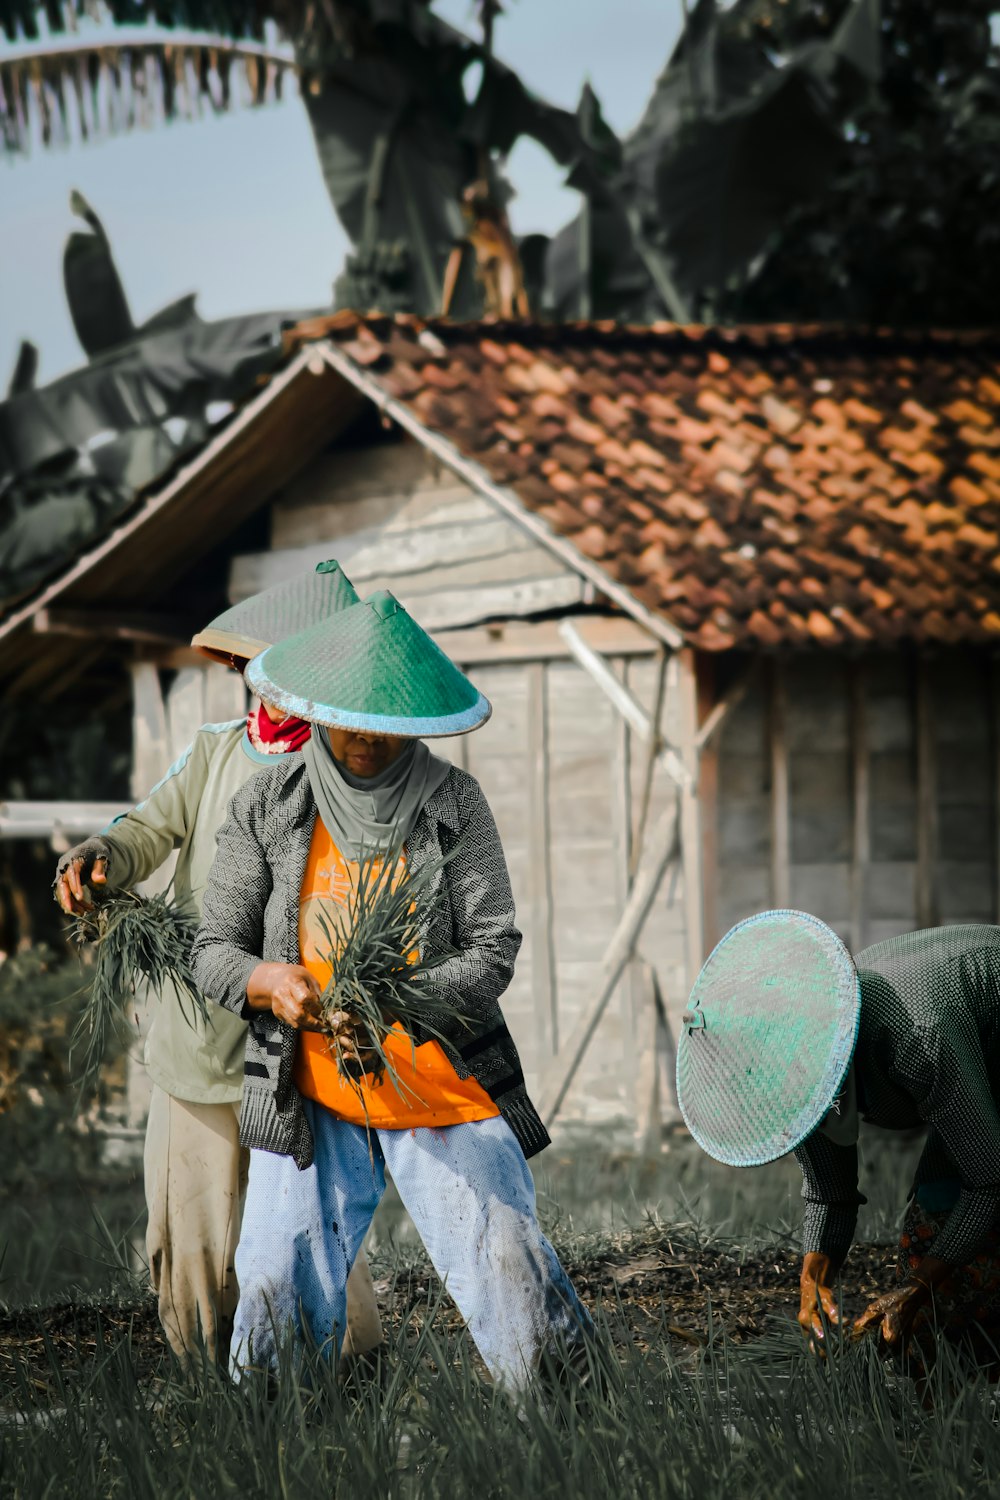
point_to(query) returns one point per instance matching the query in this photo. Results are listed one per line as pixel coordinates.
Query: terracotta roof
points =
(759, 487)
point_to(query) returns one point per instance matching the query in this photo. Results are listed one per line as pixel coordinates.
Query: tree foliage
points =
(906, 229)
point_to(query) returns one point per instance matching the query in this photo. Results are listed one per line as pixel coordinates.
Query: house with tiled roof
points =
(734, 594)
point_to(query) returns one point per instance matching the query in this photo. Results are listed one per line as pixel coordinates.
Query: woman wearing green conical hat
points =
(789, 1042)
(452, 1122)
(194, 1167)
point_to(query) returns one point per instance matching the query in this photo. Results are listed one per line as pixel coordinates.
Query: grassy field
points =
(705, 1389)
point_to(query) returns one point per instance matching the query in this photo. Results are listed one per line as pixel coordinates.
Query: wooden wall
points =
(395, 520)
(890, 769)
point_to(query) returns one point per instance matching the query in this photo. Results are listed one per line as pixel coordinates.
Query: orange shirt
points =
(429, 1091)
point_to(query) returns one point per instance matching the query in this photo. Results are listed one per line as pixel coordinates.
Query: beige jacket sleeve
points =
(141, 840)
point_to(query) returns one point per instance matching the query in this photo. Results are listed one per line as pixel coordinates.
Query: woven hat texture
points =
(248, 628)
(767, 1038)
(371, 667)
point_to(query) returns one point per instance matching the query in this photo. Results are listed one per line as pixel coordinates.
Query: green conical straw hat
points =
(768, 1037)
(286, 609)
(370, 668)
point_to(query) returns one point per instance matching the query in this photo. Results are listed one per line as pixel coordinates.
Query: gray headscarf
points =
(362, 814)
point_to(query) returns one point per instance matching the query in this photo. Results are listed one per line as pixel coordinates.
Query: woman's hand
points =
(343, 1026)
(290, 992)
(85, 865)
(818, 1303)
(894, 1313)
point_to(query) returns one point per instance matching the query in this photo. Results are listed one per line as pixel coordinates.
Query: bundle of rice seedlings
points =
(136, 939)
(379, 978)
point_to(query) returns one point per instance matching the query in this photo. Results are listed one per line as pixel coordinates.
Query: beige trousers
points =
(195, 1173)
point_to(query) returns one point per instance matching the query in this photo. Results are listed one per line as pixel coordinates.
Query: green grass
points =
(761, 1423)
(757, 1420)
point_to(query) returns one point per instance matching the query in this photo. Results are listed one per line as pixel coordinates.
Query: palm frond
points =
(57, 91)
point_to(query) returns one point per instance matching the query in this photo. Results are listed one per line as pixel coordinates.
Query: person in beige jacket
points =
(194, 1166)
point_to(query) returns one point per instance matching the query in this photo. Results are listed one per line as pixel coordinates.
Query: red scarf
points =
(275, 739)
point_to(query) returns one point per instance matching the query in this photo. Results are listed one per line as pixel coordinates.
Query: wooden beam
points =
(666, 1050)
(630, 988)
(625, 702)
(543, 959)
(926, 895)
(995, 686)
(708, 801)
(505, 499)
(112, 625)
(649, 763)
(510, 641)
(661, 850)
(861, 797)
(780, 811)
(647, 1074)
(150, 754)
(33, 820)
(733, 696)
(691, 850)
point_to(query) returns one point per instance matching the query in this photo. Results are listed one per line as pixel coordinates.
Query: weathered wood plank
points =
(448, 609)
(662, 848)
(995, 705)
(543, 979)
(389, 554)
(646, 1074)
(114, 625)
(185, 708)
(706, 745)
(926, 892)
(690, 814)
(780, 811)
(511, 641)
(637, 826)
(74, 820)
(861, 798)
(892, 895)
(150, 742)
(225, 694)
(338, 519)
(630, 996)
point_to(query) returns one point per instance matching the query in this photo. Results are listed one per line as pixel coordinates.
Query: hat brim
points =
(439, 727)
(768, 1037)
(222, 644)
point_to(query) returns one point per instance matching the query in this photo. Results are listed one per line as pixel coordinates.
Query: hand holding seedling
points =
(894, 1313)
(290, 992)
(818, 1304)
(348, 1032)
(87, 864)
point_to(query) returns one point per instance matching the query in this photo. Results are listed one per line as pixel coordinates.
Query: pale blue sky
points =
(235, 209)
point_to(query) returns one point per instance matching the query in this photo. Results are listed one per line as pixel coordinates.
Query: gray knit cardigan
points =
(250, 913)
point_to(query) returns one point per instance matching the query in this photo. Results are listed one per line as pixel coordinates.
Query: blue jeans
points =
(470, 1194)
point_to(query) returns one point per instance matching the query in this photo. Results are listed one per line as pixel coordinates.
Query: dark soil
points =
(645, 1284)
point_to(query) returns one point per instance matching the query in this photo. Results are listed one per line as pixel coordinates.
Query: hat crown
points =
(285, 609)
(383, 604)
(371, 667)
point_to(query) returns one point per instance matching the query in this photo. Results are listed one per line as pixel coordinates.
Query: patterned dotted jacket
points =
(928, 1053)
(250, 913)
